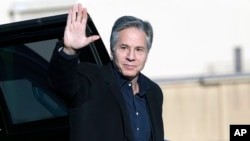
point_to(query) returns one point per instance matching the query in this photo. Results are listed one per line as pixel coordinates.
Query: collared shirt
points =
(137, 107)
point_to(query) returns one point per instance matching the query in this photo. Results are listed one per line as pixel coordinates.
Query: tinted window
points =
(27, 102)
(24, 83)
(43, 48)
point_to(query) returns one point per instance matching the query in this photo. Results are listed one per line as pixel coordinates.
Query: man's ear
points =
(112, 53)
(147, 57)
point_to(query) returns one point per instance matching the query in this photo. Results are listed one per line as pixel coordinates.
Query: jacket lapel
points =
(113, 86)
(150, 107)
(154, 116)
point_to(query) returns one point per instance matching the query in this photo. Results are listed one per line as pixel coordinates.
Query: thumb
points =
(93, 38)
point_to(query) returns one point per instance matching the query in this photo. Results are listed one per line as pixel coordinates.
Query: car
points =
(29, 109)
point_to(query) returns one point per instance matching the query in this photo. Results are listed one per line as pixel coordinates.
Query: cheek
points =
(118, 56)
(144, 60)
(117, 59)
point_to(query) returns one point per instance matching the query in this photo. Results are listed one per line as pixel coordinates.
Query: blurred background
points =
(200, 56)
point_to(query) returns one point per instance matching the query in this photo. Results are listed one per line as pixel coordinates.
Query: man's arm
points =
(63, 76)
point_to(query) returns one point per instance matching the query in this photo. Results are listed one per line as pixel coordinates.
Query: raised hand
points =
(75, 31)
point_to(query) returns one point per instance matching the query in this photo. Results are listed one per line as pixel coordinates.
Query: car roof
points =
(51, 27)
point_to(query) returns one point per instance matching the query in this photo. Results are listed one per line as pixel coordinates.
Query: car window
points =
(24, 82)
(28, 103)
(43, 48)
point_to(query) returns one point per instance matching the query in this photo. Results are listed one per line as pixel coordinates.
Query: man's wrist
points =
(65, 55)
(69, 51)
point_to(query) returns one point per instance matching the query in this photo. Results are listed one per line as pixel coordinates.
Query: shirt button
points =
(137, 129)
(137, 113)
(129, 84)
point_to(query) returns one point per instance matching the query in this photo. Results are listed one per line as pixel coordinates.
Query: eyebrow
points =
(135, 46)
(124, 45)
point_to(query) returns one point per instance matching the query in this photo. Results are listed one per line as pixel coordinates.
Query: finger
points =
(84, 16)
(73, 14)
(79, 13)
(69, 17)
(93, 38)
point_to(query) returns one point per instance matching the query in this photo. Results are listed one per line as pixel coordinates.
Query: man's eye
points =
(123, 48)
(140, 49)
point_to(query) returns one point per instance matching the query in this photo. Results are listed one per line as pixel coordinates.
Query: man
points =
(113, 102)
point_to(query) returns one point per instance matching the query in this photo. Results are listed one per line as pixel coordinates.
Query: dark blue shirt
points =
(137, 107)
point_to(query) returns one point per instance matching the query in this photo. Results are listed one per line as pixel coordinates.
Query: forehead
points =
(132, 36)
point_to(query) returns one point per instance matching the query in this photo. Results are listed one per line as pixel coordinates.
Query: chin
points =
(130, 76)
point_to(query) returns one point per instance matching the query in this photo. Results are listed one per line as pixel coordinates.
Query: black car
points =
(29, 109)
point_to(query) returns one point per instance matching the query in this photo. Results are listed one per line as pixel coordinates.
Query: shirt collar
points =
(143, 86)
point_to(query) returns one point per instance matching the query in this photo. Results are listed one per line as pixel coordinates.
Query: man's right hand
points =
(75, 31)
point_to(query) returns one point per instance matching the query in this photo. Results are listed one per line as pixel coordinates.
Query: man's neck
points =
(135, 85)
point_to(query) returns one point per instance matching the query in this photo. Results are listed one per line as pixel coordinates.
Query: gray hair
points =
(127, 22)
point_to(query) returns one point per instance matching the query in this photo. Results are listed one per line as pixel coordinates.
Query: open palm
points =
(75, 31)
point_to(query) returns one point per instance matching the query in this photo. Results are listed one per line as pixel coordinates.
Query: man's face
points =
(130, 52)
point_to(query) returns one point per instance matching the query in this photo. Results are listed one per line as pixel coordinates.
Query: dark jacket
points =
(97, 110)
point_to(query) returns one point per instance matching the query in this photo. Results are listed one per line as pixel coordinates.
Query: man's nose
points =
(131, 55)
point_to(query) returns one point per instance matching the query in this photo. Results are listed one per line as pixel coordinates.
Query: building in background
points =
(16, 10)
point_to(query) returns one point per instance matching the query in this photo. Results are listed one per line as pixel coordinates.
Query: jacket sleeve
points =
(63, 76)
